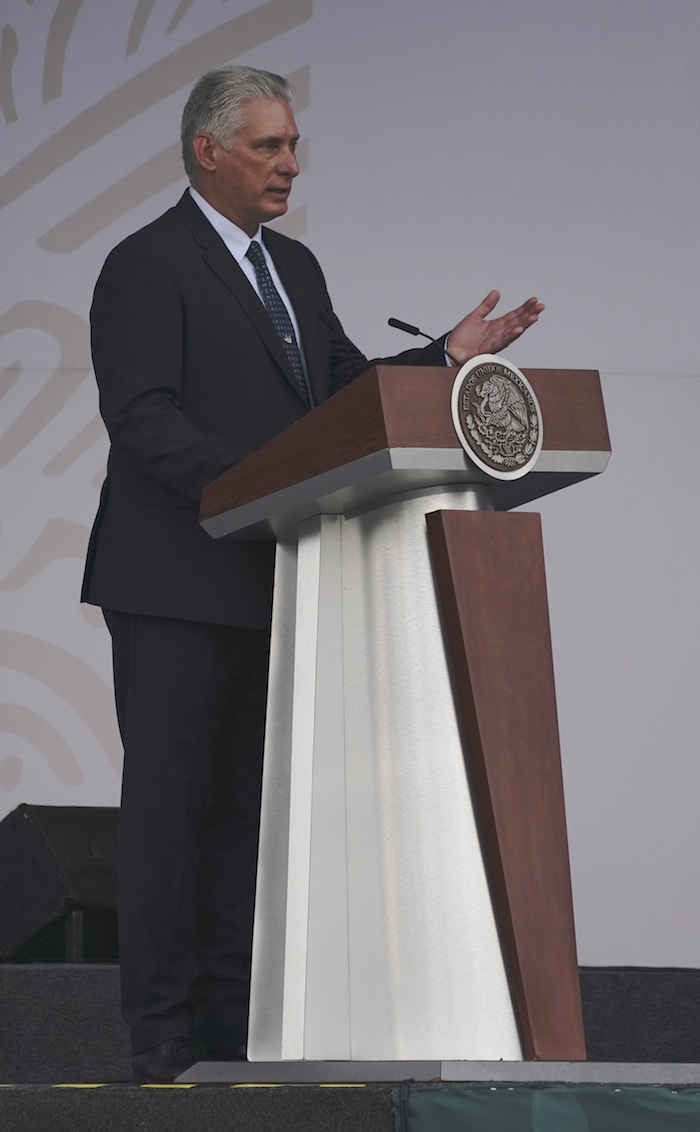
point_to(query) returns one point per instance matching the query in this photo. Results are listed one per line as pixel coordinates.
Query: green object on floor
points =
(553, 1108)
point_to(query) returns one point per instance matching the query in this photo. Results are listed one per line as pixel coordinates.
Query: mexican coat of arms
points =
(497, 417)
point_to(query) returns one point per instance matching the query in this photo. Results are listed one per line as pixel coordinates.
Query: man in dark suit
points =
(211, 334)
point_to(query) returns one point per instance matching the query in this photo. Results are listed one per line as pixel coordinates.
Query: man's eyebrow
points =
(275, 138)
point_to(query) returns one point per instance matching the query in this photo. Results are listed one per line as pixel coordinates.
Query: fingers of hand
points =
(486, 305)
(530, 308)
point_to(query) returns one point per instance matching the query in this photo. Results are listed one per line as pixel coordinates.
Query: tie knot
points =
(255, 254)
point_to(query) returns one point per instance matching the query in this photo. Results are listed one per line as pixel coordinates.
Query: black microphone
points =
(408, 328)
(398, 325)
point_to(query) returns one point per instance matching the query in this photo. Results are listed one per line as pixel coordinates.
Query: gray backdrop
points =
(547, 147)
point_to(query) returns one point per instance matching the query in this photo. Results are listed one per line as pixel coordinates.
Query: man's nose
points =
(288, 163)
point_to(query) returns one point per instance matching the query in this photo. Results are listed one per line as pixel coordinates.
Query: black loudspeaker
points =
(58, 884)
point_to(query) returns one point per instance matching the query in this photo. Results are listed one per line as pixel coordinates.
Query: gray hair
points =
(216, 105)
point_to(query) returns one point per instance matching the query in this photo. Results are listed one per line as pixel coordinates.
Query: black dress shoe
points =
(163, 1064)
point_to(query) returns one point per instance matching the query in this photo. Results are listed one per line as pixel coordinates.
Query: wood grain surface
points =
(489, 570)
(572, 407)
(399, 407)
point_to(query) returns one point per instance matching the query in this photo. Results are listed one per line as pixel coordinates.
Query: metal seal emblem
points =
(497, 417)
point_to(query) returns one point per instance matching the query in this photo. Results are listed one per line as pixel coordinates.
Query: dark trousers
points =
(191, 705)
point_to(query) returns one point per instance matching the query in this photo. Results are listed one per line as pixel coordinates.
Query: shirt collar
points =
(237, 241)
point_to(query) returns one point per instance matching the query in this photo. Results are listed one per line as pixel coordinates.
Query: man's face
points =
(251, 182)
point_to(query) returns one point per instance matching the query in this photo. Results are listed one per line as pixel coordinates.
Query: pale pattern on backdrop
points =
(58, 737)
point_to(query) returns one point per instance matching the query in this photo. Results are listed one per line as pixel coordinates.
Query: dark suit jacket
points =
(192, 378)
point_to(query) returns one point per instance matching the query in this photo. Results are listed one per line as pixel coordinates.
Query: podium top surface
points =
(391, 431)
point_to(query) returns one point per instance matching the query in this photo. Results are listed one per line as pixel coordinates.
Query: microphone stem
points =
(409, 329)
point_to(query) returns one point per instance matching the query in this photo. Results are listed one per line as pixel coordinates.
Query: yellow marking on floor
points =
(77, 1086)
(343, 1085)
(257, 1085)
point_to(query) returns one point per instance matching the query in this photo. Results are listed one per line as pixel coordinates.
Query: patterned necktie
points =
(279, 315)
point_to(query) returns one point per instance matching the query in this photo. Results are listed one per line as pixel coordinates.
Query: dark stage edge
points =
(464, 1072)
(280, 1108)
(183, 1108)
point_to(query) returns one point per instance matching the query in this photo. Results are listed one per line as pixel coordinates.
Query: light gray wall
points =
(622, 556)
(546, 147)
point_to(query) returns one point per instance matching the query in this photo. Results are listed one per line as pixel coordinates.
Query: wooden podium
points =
(414, 898)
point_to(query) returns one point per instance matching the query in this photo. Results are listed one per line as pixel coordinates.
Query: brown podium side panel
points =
(489, 569)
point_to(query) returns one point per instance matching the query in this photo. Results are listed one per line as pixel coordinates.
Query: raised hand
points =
(475, 335)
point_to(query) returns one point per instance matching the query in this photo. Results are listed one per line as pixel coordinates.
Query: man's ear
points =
(203, 146)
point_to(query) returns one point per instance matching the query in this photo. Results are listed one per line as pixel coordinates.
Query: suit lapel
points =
(222, 263)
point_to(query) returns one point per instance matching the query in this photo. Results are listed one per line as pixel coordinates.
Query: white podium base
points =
(375, 937)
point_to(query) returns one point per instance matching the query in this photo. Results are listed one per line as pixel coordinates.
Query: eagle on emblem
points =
(506, 405)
